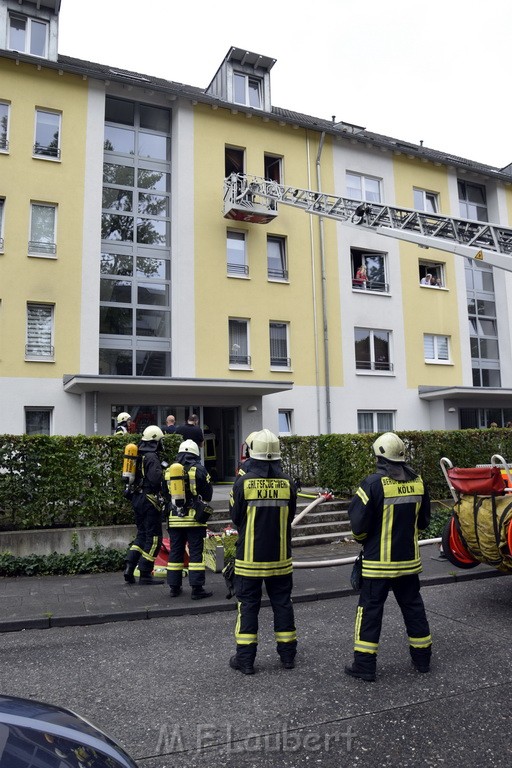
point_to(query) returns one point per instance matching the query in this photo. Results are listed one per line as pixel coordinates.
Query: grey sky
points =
(436, 71)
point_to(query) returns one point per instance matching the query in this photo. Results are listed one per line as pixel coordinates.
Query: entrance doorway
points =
(221, 450)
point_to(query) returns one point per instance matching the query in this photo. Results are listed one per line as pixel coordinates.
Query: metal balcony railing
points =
(239, 359)
(238, 269)
(35, 246)
(39, 351)
(281, 362)
(367, 365)
(278, 274)
(46, 151)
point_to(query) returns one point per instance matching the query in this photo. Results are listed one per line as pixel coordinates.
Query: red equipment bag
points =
(482, 481)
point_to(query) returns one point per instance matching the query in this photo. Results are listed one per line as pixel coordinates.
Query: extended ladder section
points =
(254, 199)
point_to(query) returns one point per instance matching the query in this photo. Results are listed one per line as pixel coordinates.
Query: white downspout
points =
(313, 290)
(324, 295)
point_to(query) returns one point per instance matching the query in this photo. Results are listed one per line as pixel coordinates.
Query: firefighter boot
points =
(128, 572)
(245, 666)
(147, 579)
(199, 592)
(364, 666)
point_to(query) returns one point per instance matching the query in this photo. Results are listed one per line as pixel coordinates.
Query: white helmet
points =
(123, 417)
(264, 446)
(152, 433)
(188, 446)
(390, 446)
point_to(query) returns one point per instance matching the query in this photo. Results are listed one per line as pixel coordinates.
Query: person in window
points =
(437, 282)
(361, 278)
(427, 280)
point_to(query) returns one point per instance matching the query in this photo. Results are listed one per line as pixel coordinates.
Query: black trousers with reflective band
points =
(370, 609)
(179, 537)
(145, 547)
(248, 591)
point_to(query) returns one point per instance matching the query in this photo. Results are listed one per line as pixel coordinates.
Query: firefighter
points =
(262, 507)
(187, 522)
(123, 423)
(145, 499)
(245, 463)
(389, 508)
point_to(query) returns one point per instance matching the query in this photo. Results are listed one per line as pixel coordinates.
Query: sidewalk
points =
(58, 601)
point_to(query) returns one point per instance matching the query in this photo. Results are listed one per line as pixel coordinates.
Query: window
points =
(28, 35)
(39, 332)
(483, 328)
(375, 421)
(234, 161)
(237, 254)
(2, 203)
(4, 126)
(38, 421)
(481, 418)
(369, 270)
(372, 350)
(276, 258)
(431, 274)
(285, 422)
(247, 90)
(239, 342)
(436, 348)
(279, 345)
(47, 137)
(42, 229)
(272, 168)
(472, 201)
(363, 188)
(426, 201)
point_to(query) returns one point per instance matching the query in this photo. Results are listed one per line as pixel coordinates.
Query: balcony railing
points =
(35, 246)
(281, 362)
(238, 269)
(278, 274)
(367, 365)
(370, 285)
(46, 151)
(239, 359)
(38, 351)
(4, 144)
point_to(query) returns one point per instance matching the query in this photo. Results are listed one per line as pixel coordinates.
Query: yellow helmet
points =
(264, 446)
(152, 433)
(390, 446)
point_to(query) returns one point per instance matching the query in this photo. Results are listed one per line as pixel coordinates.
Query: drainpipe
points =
(324, 294)
(313, 291)
(95, 412)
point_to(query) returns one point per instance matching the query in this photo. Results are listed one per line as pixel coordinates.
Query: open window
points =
(431, 274)
(369, 270)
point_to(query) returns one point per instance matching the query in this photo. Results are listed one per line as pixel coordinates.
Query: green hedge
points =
(95, 560)
(76, 481)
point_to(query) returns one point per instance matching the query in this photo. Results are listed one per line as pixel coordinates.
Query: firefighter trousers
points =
(145, 547)
(248, 591)
(370, 609)
(179, 537)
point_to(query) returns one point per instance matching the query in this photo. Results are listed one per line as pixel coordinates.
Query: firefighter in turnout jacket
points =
(145, 499)
(389, 508)
(187, 521)
(262, 507)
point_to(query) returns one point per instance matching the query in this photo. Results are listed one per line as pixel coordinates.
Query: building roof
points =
(340, 129)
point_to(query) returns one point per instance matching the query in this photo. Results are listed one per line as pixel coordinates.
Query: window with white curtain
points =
(375, 421)
(279, 355)
(276, 258)
(436, 348)
(39, 332)
(237, 254)
(239, 342)
(361, 187)
(43, 219)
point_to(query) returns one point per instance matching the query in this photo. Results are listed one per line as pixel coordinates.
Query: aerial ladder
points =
(255, 199)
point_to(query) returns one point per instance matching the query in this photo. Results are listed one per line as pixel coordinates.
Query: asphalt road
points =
(164, 690)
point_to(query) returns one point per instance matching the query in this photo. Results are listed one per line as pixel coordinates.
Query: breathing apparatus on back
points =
(130, 464)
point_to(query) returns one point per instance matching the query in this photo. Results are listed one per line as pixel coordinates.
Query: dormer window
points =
(28, 35)
(247, 90)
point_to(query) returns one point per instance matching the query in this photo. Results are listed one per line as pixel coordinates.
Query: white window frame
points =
(42, 248)
(278, 275)
(285, 419)
(248, 79)
(434, 268)
(237, 270)
(4, 148)
(377, 419)
(45, 411)
(29, 22)
(437, 342)
(373, 363)
(53, 154)
(274, 324)
(361, 192)
(362, 255)
(425, 200)
(245, 362)
(40, 351)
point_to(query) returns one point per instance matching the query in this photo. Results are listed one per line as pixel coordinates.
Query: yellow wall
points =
(427, 310)
(256, 298)
(23, 278)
